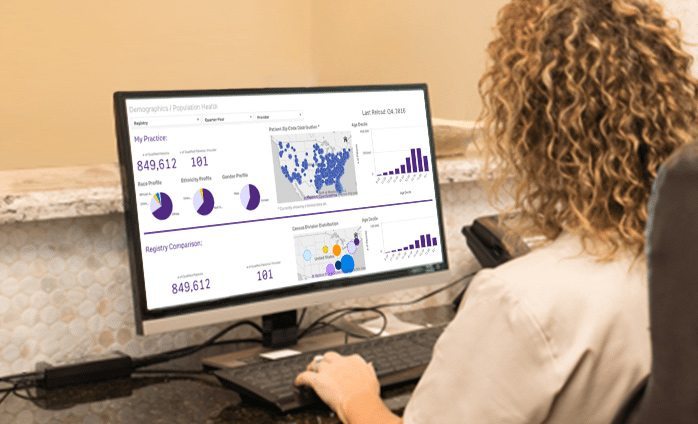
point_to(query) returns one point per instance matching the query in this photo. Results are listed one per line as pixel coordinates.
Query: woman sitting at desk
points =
(583, 100)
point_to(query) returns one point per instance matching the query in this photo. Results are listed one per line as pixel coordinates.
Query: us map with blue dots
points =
(311, 166)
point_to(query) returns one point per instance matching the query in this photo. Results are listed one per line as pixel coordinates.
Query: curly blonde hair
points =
(583, 100)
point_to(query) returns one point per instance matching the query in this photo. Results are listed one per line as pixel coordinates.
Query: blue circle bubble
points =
(347, 264)
(307, 255)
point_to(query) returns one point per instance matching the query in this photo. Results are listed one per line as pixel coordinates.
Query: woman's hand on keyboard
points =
(348, 385)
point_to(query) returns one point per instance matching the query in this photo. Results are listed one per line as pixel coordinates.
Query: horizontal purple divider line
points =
(286, 217)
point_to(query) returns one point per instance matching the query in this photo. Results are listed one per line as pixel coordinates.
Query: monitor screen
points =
(234, 195)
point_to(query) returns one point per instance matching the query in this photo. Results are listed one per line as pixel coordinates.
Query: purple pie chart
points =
(250, 197)
(161, 206)
(203, 201)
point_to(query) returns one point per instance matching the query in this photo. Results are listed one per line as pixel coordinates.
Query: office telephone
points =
(492, 243)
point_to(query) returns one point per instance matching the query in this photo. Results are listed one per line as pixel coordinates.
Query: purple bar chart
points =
(415, 163)
(421, 242)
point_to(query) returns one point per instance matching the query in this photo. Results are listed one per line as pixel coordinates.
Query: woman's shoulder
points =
(559, 281)
(564, 265)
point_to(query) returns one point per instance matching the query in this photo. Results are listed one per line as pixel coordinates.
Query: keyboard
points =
(397, 359)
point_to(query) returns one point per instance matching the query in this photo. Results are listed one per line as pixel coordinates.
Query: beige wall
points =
(440, 42)
(61, 61)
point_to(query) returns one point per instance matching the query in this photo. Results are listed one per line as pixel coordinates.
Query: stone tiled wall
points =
(65, 290)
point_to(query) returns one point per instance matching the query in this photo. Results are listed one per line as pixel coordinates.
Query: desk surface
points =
(183, 398)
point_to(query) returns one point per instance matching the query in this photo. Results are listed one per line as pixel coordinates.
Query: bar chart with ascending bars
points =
(410, 238)
(414, 163)
(421, 242)
(403, 152)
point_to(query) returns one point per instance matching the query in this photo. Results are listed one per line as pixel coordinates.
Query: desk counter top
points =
(177, 397)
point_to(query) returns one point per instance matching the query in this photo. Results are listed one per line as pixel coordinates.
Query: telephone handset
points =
(491, 243)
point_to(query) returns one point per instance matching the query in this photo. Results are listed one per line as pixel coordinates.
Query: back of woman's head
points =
(583, 100)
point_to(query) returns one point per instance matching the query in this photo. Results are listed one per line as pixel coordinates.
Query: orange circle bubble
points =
(336, 250)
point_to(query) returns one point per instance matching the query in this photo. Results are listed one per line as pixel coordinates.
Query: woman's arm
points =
(349, 386)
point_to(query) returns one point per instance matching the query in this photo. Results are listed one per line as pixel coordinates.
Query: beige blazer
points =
(552, 337)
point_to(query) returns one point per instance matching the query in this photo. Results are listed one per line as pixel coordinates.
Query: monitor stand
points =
(280, 329)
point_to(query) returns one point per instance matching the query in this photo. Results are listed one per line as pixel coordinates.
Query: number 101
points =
(264, 275)
(199, 161)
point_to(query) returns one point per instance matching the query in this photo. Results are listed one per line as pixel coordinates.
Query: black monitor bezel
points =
(133, 227)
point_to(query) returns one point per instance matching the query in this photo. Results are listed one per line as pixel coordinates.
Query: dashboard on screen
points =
(232, 195)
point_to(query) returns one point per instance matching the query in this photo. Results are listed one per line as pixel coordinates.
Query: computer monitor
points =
(241, 203)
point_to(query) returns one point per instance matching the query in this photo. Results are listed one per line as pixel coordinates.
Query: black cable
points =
(361, 336)
(184, 351)
(459, 298)
(216, 343)
(22, 375)
(341, 313)
(300, 319)
(7, 393)
(350, 310)
(25, 385)
(188, 350)
(322, 324)
(31, 379)
(20, 381)
(159, 358)
(428, 295)
(28, 396)
(6, 381)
